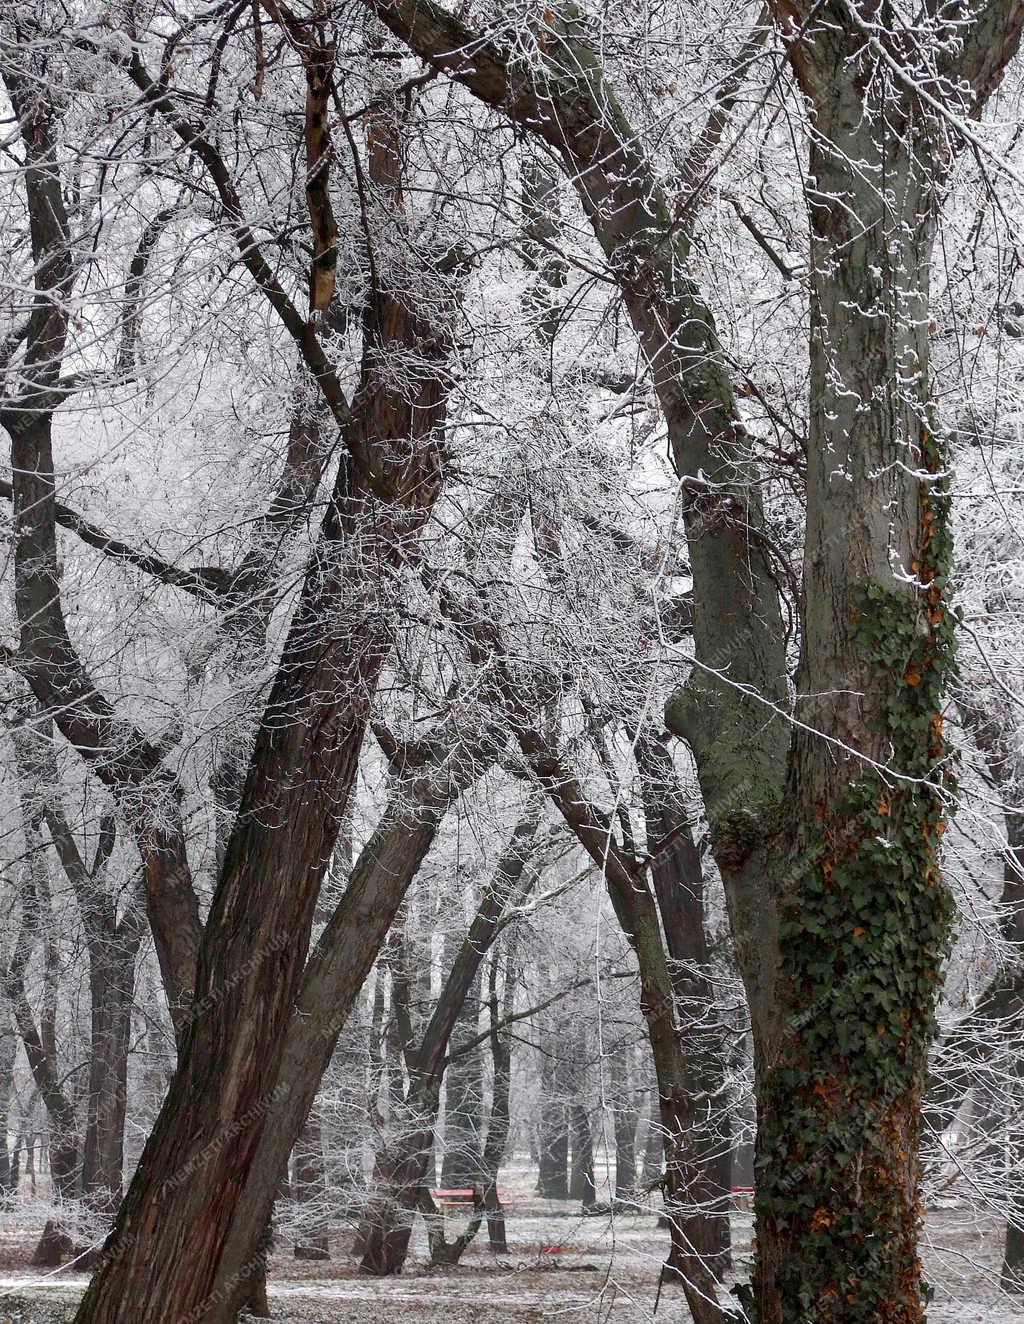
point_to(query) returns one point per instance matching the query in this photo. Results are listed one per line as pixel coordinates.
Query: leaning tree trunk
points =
(678, 875)
(174, 1222)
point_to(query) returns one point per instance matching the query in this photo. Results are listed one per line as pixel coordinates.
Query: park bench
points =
(465, 1197)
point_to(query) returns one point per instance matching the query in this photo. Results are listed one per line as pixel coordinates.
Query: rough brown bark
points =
(343, 957)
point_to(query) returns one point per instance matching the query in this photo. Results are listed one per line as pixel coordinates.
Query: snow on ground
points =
(561, 1268)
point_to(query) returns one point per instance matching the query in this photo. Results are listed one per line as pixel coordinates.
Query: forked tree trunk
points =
(164, 1259)
(342, 959)
(175, 1221)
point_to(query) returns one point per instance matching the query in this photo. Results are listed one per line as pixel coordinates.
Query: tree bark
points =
(841, 1042)
(170, 1238)
(678, 876)
(340, 963)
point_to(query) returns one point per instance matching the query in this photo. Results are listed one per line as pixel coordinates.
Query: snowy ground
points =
(560, 1267)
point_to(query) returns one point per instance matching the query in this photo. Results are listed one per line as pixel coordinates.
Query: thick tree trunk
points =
(842, 1023)
(335, 974)
(175, 1221)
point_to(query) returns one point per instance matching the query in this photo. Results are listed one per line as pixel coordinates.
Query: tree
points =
(305, 753)
(859, 789)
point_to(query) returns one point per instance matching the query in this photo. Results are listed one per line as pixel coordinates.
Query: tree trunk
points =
(553, 1123)
(463, 1114)
(842, 1024)
(309, 1187)
(625, 1116)
(337, 969)
(498, 1124)
(402, 1164)
(654, 1143)
(111, 987)
(8, 1052)
(581, 1168)
(173, 1226)
(988, 1040)
(679, 887)
(39, 1039)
